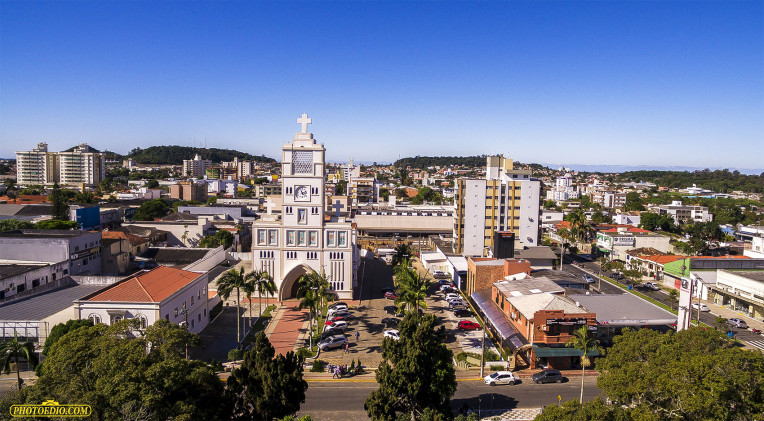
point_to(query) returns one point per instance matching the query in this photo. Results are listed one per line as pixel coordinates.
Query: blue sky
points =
(636, 83)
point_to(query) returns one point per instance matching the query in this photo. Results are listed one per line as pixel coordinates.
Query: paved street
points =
(344, 399)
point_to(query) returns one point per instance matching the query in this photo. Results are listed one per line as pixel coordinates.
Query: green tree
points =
(384, 194)
(600, 218)
(55, 224)
(402, 252)
(233, 280)
(313, 291)
(578, 223)
(219, 238)
(60, 209)
(151, 209)
(341, 188)
(122, 376)
(152, 184)
(412, 288)
(695, 374)
(633, 275)
(62, 329)
(266, 386)
(653, 222)
(416, 376)
(584, 342)
(596, 410)
(15, 224)
(633, 202)
(14, 350)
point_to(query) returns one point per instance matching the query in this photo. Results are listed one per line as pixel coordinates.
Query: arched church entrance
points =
(289, 285)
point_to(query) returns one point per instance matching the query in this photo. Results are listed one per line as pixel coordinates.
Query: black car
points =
(337, 304)
(331, 332)
(394, 311)
(390, 322)
(462, 312)
(547, 376)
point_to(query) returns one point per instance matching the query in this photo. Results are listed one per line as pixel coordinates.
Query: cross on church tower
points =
(269, 206)
(304, 121)
(338, 207)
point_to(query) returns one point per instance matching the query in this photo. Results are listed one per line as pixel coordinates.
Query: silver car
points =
(332, 342)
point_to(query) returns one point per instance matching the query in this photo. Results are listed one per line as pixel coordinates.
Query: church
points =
(302, 238)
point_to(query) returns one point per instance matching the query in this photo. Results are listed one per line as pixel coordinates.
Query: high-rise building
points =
(506, 200)
(195, 167)
(82, 165)
(186, 190)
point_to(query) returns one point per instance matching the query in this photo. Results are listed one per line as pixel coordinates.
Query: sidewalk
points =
(727, 313)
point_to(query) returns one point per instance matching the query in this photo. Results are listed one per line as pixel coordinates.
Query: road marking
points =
(757, 344)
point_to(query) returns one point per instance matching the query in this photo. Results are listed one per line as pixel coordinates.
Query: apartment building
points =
(195, 167)
(506, 200)
(684, 214)
(82, 165)
(187, 190)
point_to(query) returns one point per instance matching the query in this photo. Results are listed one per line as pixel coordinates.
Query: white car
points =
(336, 310)
(392, 334)
(500, 377)
(339, 325)
(700, 306)
(452, 296)
(652, 285)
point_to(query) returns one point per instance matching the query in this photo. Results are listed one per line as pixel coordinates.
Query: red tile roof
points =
(662, 260)
(152, 286)
(119, 235)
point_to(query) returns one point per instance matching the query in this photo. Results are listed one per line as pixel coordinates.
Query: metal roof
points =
(9, 270)
(41, 306)
(624, 310)
(498, 320)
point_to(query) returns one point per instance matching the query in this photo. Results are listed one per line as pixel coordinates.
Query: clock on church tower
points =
(303, 179)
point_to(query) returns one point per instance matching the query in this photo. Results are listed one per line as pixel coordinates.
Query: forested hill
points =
(423, 162)
(176, 154)
(440, 161)
(721, 181)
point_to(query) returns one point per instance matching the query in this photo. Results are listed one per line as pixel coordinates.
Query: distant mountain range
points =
(626, 168)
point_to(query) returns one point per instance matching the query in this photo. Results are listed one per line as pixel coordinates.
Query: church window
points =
(331, 238)
(301, 238)
(290, 238)
(288, 210)
(144, 322)
(273, 237)
(302, 216)
(261, 237)
(314, 211)
(302, 162)
(343, 237)
(94, 318)
(313, 238)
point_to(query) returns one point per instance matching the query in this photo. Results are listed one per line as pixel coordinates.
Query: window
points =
(144, 321)
(302, 216)
(313, 238)
(342, 238)
(301, 238)
(261, 237)
(199, 317)
(176, 312)
(94, 318)
(331, 238)
(290, 238)
(273, 236)
(192, 300)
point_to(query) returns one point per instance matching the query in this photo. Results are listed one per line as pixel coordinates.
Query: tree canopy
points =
(416, 377)
(266, 386)
(220, 238)
(722, 181)
(151, 209)
(696, 374)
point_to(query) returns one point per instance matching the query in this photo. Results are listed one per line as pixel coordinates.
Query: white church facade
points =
(302, 237)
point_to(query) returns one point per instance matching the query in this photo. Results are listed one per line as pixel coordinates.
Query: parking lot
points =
(368, 313)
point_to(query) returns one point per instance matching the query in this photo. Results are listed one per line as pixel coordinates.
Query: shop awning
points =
(543, 351)
(498, 320)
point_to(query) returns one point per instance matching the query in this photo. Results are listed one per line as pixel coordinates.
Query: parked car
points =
(438, 274)
(392, 334)
(547, 376)
(457, 304)
(700, 306)
(651, 285)
(331, 332)
(390, 322)
(739, 323)
(588, 278)
(341, 325)
(447, 288)
(462, 312)
(335, 318)
(469, 325)
(338, 304)
(452, 295)
(341, 310)
(332, 342)
(385, 290)
(444, 282)
(390, 295)
(500, 377)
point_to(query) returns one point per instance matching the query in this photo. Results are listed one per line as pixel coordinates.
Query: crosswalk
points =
(758, 344)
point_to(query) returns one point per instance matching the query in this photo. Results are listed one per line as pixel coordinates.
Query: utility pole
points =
(185, 315)
(482, 356)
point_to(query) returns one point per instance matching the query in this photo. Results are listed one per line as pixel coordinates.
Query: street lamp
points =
(184, 324)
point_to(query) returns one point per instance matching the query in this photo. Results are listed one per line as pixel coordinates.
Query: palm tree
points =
(249, 288)
(318, 282)
(266, 285)
(14, 349)
(310, 301)
(402, 252)
(584, 343)
(578, 221)
(232, 280)
(412, 289)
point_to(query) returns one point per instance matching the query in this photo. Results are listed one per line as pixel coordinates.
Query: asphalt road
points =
(344, 400)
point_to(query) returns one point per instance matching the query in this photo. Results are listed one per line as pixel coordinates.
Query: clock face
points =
(301, 194)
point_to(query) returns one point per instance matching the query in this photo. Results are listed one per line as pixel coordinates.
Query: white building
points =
(628, 218)
(684, 214)
(177, 295)
(506, 200)
(140, 193)
(564, 189)
(81, 166)
(301, 239)
(757, 248)
(195, 167)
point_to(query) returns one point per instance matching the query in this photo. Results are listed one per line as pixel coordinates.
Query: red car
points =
(468, 325)
(331, 320)
(390, 295)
